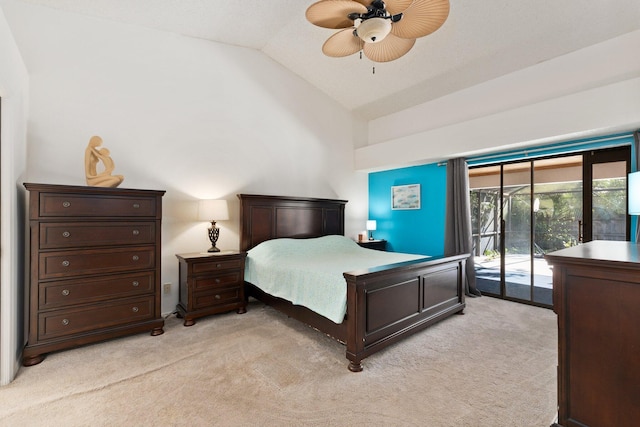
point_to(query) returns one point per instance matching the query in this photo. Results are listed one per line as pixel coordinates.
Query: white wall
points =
(590, 92)
(195, 118)
(13, 129)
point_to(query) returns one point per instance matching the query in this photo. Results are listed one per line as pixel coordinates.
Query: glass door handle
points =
(580, 231)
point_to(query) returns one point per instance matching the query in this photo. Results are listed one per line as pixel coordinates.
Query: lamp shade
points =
(371, 224)
(634, 193)
(213, 210)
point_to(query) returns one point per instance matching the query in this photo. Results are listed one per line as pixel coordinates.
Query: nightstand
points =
(379, 245)
(210, 283)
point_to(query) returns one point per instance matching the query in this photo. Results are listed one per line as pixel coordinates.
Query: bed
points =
(384, 303)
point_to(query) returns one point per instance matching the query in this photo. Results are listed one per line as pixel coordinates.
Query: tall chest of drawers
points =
(94, 266)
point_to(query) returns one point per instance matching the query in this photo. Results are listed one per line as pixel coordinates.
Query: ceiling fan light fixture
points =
(374, 30)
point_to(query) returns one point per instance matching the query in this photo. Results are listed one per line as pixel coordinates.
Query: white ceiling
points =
(481, 40)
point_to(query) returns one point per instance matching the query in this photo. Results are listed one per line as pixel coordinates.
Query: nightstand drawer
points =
(75, 263)
(223, 296)
(65, 293)
(64, 205)
(217, 281)
(64, 235)
(60, 323)
(213, 264)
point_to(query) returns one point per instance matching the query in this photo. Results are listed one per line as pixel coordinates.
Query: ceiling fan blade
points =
(390, 48)
(333, 13)
(423, 17)
(397, 6)
(342, 43)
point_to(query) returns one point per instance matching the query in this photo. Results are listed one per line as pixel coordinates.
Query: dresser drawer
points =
(221, 297)
(72, 292)
(77, 205)
(76, 263)
(216, 281)
(68, 235)
(65, 322)
(215, 265)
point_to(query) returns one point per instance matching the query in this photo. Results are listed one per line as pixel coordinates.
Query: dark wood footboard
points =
(387, 303)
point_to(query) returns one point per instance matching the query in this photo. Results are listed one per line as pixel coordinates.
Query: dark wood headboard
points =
(272, 217)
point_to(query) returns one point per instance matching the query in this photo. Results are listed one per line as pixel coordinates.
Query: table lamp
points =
(371, 226)
(212, 211)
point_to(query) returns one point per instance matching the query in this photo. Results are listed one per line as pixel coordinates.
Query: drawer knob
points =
(136, 232)
(217, 280)
(66, 234)
(135, 309)
(65, 322)
(135, 257)
(65, 263)
(218, 265)
(135, 283)
(66, 204)
(65, 292)
(136, 205)
(217, 296)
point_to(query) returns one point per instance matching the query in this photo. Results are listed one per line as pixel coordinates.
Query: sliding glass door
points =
(606, 192)
(522, 210)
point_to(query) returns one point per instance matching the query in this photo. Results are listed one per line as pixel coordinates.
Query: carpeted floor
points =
(494, 366)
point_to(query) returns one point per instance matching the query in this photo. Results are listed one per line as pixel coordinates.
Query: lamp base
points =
(214, 232)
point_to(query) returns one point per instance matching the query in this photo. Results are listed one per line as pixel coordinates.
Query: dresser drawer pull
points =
(218, 265)
(135, 257)
(218, 296)
(217, 280)
(65, 263)
(65, 292)
(135, 283)
(136, 205)
(136, 232)
(66, 204)
(65, 322)
(66, 234)
(135, 309)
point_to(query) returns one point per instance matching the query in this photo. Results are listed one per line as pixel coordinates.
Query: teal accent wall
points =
(419, 231)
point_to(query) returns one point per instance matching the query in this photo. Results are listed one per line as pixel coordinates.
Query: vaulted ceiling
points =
(480, 41)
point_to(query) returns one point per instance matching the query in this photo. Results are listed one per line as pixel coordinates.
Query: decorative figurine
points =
(94, 155)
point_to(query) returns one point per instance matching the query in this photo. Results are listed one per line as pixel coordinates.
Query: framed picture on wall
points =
(405, 197)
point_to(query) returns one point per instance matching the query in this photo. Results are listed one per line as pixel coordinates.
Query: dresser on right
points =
(596, 295)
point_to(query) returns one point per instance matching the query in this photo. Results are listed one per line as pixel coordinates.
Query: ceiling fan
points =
(383, 30)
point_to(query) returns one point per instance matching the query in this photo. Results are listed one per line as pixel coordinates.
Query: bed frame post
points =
(355, 324)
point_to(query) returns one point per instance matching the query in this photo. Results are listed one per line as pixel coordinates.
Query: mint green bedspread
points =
(308, 272)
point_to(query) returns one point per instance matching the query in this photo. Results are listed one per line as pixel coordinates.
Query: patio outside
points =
(535, 224)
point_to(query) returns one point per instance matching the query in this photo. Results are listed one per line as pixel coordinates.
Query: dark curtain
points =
(457, 232)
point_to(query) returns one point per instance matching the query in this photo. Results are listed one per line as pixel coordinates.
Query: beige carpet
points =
(494, 366)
